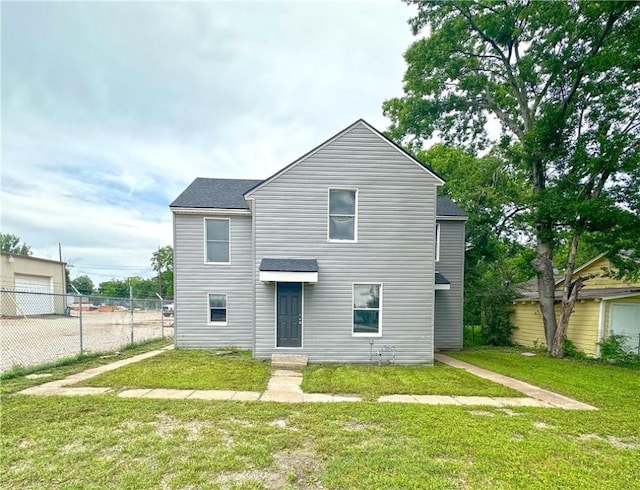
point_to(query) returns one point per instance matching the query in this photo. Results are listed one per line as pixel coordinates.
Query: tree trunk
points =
(569, 296)
(546, 285)
(557, 349)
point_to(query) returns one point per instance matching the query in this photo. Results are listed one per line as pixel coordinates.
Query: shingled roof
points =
(229, 194)
(289, 265)
(215, 193)
(446, 207)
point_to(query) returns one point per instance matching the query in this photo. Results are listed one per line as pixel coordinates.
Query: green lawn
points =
(190, 369)
(372, 382)
(108, 442)
(588, 380)
(15, 380)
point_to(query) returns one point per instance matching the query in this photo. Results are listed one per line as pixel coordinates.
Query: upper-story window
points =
(343, 215)
(217, 240)
(436, 241)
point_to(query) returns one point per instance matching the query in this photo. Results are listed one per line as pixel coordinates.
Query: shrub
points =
(612, 349)
(496, 305)
(569, 349)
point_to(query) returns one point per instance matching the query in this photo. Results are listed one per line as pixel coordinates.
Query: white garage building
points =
(31, 285)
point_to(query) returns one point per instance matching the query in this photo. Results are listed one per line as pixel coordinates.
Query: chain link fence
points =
(37, 328)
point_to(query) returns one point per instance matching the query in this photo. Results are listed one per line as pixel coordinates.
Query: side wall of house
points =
(582, 331)
(395, 232)
(448, 326)
(194, 280)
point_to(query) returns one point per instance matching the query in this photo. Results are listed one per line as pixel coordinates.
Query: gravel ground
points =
(38, 339)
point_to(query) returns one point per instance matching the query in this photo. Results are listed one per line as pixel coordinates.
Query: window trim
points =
(353, 308)
(436, 235)
(206, 253)
(226, 307)
(355, 216)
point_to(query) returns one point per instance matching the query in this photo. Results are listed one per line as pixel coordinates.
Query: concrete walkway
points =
(284, 387)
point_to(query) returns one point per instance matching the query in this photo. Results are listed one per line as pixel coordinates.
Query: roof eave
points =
(210, 211)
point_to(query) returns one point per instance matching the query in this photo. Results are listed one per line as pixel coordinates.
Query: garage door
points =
(625, 320)
(33, 294)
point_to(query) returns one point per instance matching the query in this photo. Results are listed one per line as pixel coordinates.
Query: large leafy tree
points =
(562, 81)
(13, 244)
(488, 189)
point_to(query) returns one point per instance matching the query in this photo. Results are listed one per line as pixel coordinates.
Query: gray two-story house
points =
(345, 251)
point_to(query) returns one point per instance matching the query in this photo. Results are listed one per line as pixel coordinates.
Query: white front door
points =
(625, 320)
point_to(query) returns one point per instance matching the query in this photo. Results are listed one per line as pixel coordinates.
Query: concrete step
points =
(289, 361)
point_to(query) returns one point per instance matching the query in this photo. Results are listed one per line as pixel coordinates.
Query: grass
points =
(190, 369)
(586, 380)
(108, 442)
(14, 379)
(372, 382)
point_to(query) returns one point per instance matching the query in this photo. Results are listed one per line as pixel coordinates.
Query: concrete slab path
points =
(540, 394)
(284, 387)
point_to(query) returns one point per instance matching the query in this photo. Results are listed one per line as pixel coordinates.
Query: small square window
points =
(218, 308)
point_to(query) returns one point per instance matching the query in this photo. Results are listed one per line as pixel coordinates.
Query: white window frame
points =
(436, 235)
(366, 334)
(206, 252)
(226, 307)
(355, 217)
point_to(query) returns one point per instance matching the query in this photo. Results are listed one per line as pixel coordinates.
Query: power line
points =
(113, 276)
(133, 267)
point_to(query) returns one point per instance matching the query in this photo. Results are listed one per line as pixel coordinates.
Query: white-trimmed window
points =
(367, 310)
(343, 215)
(436, 242)
(217, 240)
(217, 309)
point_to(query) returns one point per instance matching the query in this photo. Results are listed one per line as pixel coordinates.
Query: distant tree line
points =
(161, 262)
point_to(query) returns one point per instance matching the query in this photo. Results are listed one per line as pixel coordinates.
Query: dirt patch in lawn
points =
(297, 468)
(356, 425)
(620, 443)
(166, 427)
(481, 413)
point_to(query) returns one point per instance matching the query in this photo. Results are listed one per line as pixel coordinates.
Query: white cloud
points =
(110, 109)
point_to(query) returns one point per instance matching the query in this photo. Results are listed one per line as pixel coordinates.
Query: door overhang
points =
(289, 270)
(441, 282)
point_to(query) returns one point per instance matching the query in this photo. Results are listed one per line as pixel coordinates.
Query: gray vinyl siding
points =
(194, 280)
(448, 304)
(395, 216)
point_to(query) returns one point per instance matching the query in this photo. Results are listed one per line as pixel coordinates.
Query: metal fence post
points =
(131, 305)
(80, 323)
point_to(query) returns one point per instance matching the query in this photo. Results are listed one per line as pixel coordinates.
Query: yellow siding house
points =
(605, 306)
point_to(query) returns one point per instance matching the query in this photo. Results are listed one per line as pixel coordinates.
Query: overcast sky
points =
(109, 110)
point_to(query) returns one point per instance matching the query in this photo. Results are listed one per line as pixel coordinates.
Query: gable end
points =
(438, 179)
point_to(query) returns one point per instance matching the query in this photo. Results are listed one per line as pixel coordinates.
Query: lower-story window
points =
(218, 309)
(367, 306)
